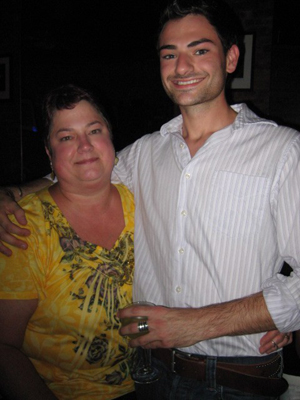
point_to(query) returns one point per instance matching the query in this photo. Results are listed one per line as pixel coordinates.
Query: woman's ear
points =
(48, 154)
(232, 58)
(50, 159)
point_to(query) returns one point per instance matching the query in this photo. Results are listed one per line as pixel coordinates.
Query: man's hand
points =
(182, 327)
(7, 228)
(175, 327)
(168, 327)
(273, 341)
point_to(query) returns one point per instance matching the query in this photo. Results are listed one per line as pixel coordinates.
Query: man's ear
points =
(232, 58)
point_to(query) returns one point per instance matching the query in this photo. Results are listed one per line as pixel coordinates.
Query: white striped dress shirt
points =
(218, 226)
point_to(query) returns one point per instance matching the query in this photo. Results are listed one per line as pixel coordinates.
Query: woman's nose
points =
(84, 143)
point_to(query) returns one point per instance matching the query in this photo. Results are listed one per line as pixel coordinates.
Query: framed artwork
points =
(4, 78)
(242, 79)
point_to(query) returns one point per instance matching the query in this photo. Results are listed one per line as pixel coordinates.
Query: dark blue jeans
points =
(173, 387)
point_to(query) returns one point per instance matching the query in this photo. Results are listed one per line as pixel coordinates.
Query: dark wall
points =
(275, 89)
(112, 50)
(257, 19)
(109, 50)
(285, 71)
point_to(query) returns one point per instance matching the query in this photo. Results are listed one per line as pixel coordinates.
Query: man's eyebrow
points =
(192, 44)
(167, 47)
(200, 41)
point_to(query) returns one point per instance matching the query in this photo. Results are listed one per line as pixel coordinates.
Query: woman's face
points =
(81, 148)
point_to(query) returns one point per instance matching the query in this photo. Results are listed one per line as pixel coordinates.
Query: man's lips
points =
(187, 82)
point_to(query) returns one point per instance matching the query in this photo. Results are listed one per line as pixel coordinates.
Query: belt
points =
(260, 378)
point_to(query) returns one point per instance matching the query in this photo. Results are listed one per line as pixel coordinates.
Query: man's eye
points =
(168, 56)
(200, 52)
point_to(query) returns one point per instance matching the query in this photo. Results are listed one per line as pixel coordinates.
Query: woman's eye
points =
(94, 131)
(65, 138)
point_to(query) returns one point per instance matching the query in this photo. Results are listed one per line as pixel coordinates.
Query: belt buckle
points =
(173, 361)
(173, 357)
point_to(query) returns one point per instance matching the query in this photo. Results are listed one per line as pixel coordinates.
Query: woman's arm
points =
(18, 377)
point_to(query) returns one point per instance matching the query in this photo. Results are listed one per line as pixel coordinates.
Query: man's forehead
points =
(187, 30)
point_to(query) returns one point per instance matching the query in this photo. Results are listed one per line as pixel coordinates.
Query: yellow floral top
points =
(72, 339)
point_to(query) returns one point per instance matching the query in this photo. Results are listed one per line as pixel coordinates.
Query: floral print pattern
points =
(80, 286)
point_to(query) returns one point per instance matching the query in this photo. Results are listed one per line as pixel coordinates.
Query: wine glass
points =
(145, 371)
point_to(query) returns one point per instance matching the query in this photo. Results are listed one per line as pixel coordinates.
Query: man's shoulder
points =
(141, 142)
(247, 117)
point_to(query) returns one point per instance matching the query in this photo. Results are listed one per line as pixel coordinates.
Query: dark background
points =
(110, 47)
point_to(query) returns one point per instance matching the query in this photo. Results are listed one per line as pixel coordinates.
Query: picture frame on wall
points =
(243, 75)
(4, 78)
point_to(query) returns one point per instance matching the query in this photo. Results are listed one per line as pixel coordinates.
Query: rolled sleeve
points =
(282, 296)
(281, 293)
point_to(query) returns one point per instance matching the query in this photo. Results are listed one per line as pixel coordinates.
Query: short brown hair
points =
(67, 97)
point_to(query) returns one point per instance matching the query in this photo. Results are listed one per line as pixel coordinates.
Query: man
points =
(217, 194)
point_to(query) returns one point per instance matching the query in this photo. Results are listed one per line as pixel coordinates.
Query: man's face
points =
(193, 65)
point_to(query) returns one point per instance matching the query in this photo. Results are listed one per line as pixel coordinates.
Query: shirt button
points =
(188, 176)
(181, 251)
(182, 145)
(178, 289)
(183, 213)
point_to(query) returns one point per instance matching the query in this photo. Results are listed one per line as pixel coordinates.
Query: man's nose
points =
(184, 64)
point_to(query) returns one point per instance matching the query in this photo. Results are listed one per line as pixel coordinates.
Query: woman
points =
(60, 297)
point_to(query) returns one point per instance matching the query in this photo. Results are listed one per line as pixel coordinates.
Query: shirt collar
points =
(245, 117)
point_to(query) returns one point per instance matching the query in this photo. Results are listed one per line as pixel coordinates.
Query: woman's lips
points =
(87, 161)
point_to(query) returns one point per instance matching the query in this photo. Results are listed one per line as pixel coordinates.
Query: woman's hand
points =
(7, 228)
(274, 340)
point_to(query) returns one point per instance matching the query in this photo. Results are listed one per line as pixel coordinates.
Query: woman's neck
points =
(97, 218)
(87, 198)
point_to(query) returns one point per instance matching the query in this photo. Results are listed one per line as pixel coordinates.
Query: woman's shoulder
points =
(127, 205)
(33, 204)
(35, 198)
(125, 193)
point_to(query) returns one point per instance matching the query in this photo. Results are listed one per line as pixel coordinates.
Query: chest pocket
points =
(237, 203)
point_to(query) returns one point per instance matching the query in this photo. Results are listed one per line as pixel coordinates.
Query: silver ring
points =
(143, 326)
(275, 345)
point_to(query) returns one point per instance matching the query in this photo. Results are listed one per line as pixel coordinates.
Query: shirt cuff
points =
(282, 303)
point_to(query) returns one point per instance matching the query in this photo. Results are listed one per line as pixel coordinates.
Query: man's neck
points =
(200, 122)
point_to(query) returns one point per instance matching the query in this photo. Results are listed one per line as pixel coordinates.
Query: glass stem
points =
(147, 359)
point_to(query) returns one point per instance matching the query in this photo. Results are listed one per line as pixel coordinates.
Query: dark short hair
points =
(67, 97)
(217, 12)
